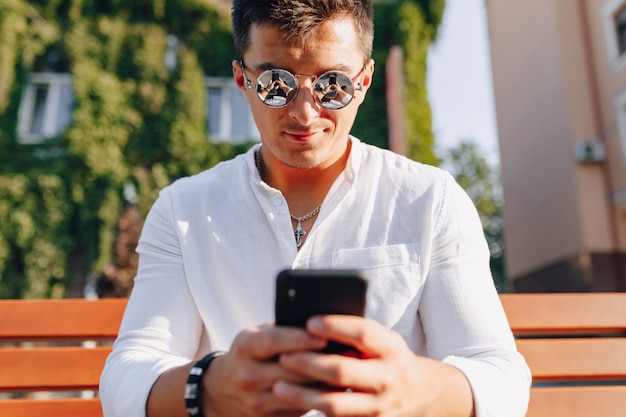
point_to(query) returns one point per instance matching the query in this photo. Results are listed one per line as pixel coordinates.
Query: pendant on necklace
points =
(298, 233)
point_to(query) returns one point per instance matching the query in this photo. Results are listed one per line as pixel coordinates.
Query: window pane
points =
(66, 100)
(214, 103)
(240, 119)
(41, 97)
(229, 117)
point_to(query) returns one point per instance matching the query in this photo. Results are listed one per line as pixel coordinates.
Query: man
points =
(435, 340)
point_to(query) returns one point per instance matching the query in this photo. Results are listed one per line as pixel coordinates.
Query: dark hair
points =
(298, 19)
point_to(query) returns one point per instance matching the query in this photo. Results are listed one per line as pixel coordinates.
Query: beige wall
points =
(554, 87)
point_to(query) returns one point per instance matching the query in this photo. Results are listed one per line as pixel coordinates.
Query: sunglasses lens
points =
(334, 90)
(276, 88)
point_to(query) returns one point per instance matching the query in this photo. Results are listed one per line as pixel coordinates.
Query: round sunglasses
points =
(332, 90)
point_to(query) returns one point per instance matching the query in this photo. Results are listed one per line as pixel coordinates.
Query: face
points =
(303, 134)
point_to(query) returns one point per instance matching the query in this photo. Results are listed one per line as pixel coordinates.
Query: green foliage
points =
(13, 25)
(482, 183)
(433, 12)
(34, 242)
(137, 124)
(412, 25)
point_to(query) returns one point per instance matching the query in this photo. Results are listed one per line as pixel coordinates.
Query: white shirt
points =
(213, 244)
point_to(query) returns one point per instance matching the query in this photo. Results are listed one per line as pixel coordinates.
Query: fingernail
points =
(315, 324)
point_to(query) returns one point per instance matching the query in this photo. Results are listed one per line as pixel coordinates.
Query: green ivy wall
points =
(136, 122)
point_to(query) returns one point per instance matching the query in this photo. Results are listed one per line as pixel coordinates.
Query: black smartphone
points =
(302, 293)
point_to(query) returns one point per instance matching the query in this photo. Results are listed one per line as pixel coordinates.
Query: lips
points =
(303, 136)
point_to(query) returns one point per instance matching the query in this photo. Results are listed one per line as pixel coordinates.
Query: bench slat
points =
(60, 319)
(577, 401)
(48, 368)
(575, 359)
(69, 407)
(574, 312)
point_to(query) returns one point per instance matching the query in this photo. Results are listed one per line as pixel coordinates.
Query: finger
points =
(251, 375)
(268, 341)
(345, 403)
(338, 371)
(366, 335)
(264, 403)
(268, 404)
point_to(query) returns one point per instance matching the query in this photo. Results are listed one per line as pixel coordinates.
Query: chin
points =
(302, 164)
(303, 160)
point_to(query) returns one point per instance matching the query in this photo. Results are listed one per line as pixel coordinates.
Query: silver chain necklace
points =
(299, 231)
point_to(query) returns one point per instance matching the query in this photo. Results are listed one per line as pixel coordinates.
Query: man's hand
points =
(240, 383)
(390, 381)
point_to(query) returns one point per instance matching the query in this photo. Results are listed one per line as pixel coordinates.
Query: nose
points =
(304, 109)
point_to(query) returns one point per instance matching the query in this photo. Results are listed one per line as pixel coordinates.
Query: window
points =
(614, 14)
(46, 107)
(229, 118)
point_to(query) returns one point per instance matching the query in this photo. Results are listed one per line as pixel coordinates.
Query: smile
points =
(303, 136)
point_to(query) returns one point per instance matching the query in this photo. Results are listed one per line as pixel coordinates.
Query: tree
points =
(411, 24)
(482, 183)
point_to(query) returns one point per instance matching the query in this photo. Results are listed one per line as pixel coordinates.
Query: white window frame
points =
(52, 107)
(620, 108)
(229, 115)
(610, 9)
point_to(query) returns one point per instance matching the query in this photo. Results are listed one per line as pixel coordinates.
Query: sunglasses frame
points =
(356, 85)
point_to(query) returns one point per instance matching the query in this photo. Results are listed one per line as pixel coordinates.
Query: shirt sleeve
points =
(161, 326)
(462, 316)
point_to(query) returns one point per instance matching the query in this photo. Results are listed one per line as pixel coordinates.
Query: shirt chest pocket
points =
(395, 281)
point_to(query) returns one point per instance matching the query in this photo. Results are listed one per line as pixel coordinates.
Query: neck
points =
(304, 189)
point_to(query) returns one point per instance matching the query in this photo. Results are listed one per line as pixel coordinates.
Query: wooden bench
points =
(48, 345)
(575, 345)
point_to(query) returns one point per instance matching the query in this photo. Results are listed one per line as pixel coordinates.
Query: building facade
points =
(559, 71)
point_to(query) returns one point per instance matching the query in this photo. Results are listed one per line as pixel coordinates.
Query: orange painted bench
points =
(55, 346)
(575, 345)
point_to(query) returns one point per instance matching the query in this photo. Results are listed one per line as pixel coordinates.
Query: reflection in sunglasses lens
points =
(336, 90)
(276, 88)
(332, 90)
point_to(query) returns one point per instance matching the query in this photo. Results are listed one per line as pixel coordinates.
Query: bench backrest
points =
(54, 345)
(575, 345)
